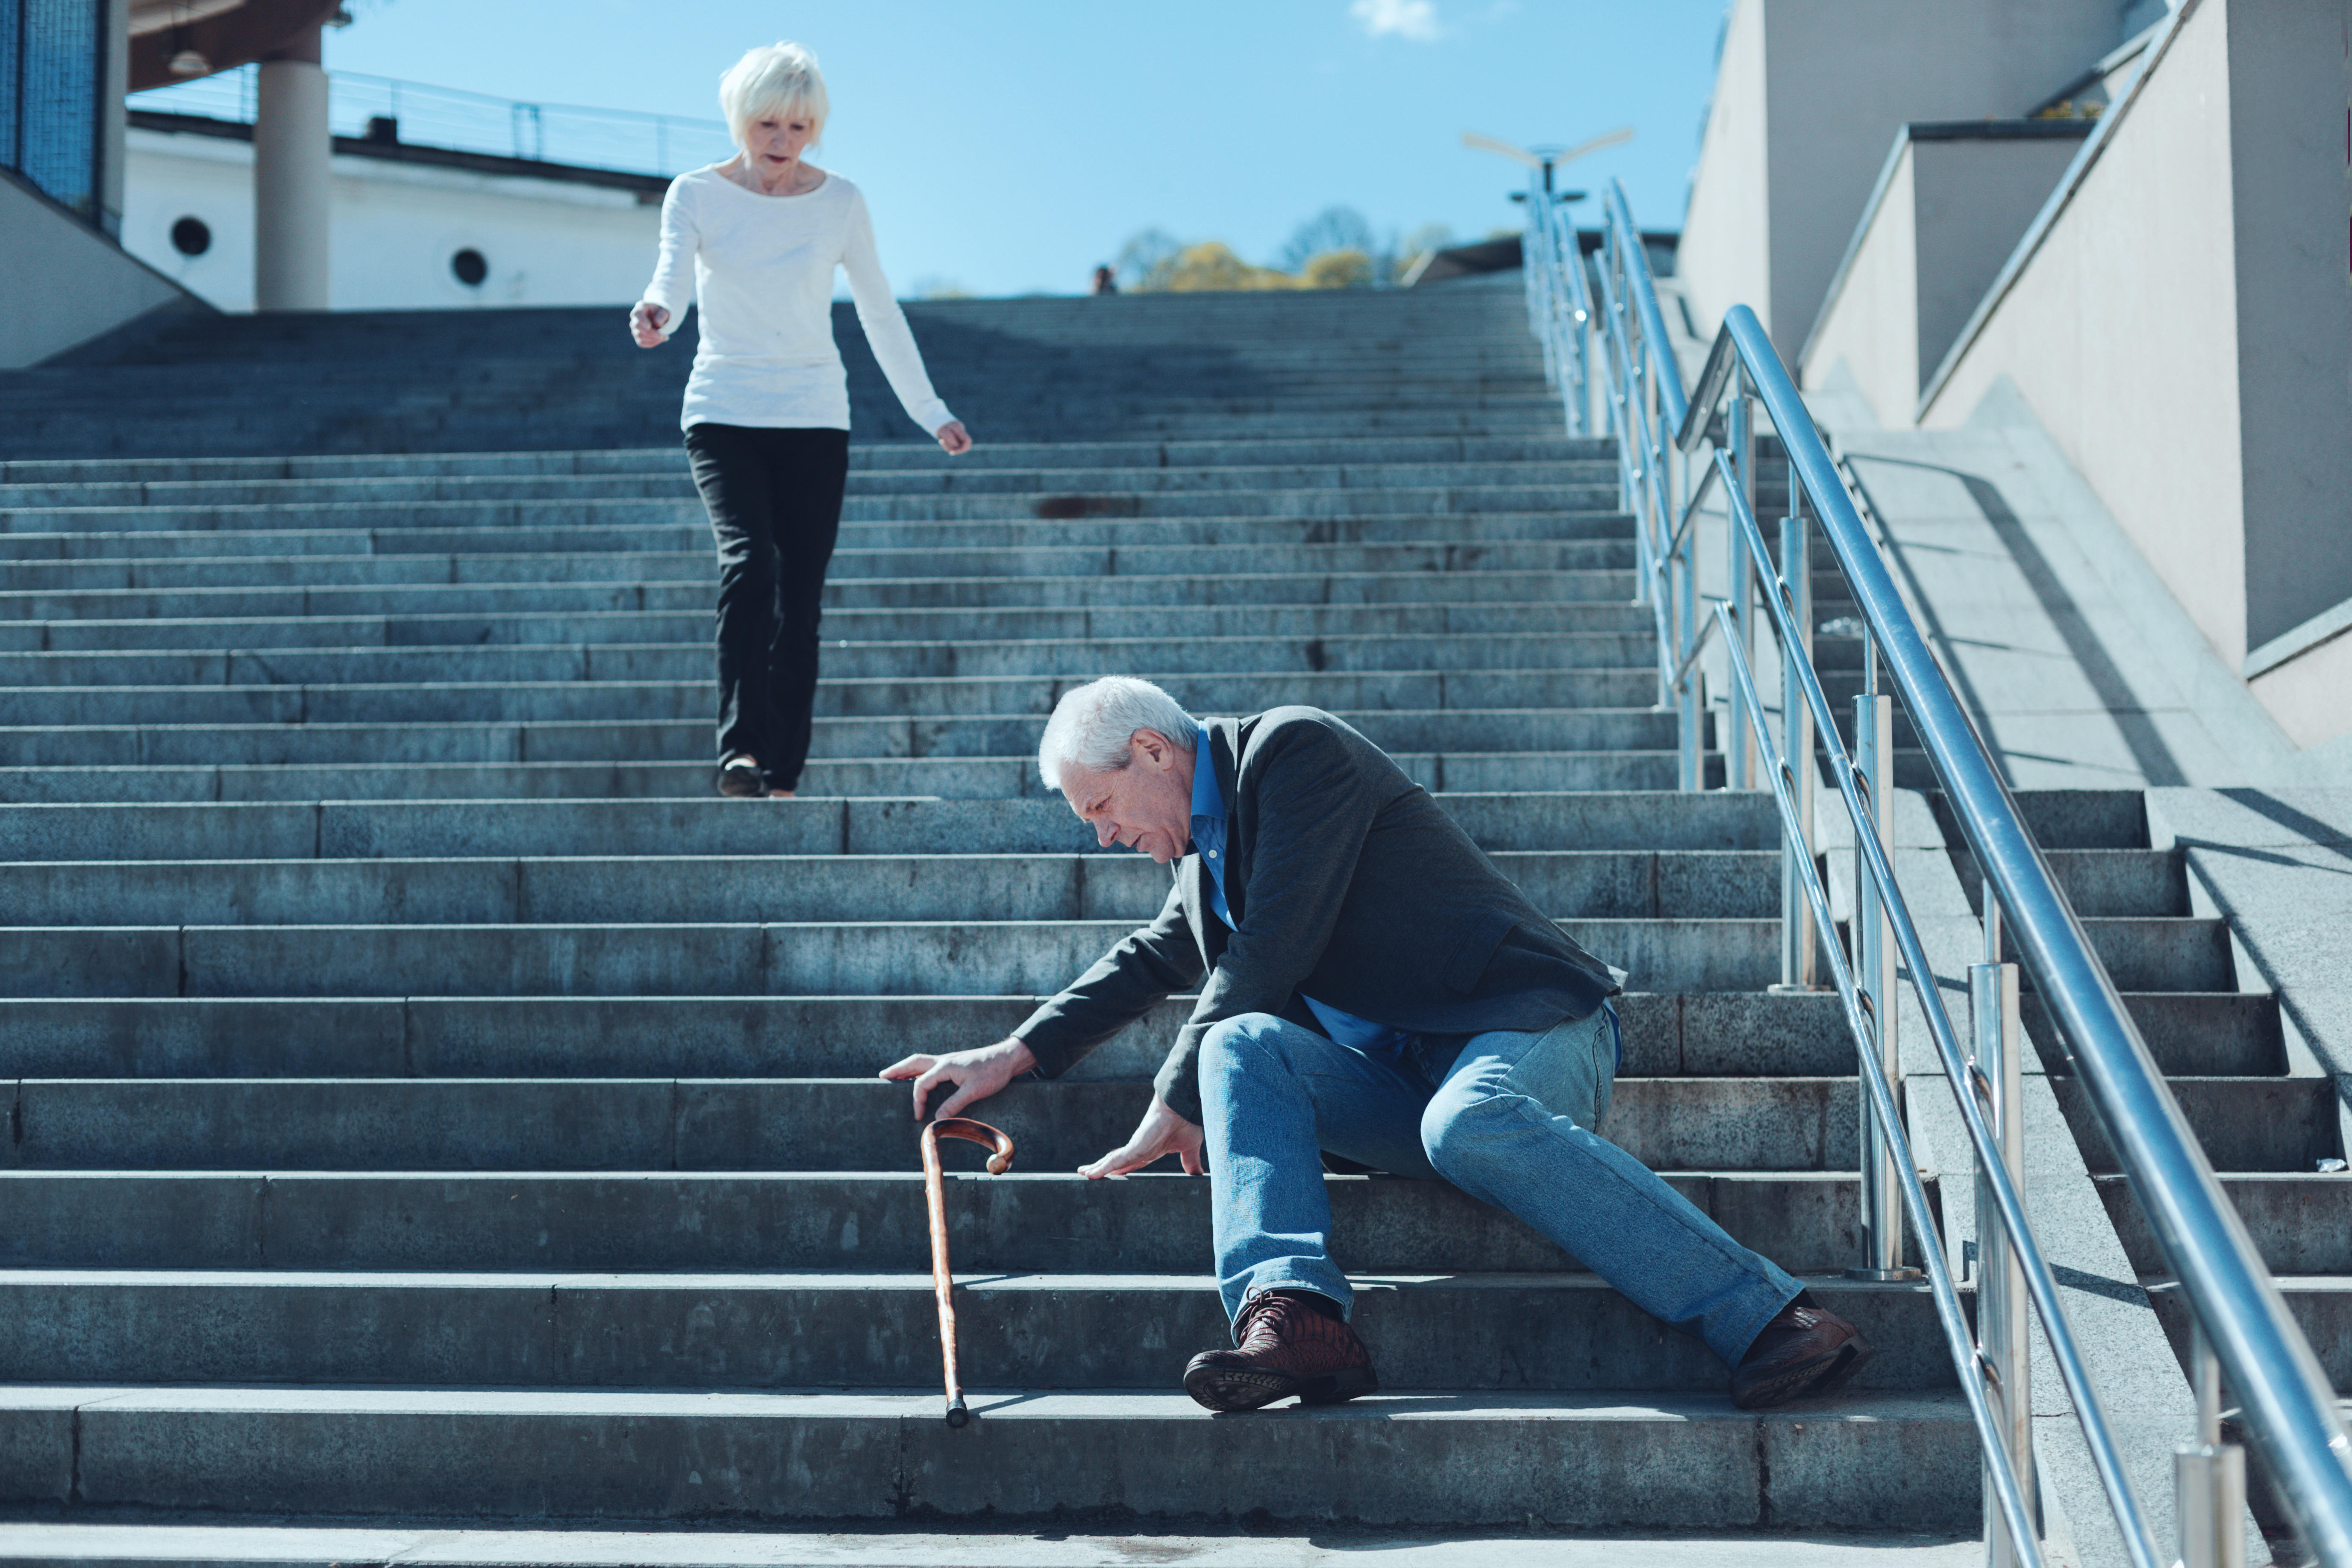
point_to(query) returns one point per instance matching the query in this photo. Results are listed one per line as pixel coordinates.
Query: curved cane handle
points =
(999, 1147)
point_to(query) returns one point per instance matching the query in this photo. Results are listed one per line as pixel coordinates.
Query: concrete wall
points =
(1838, 81)
(1871, 325)
(2185, 334)
(1953, 208)
(2118, 334)
(72, 283)
(1722, 258)
(396, 226)
(2287, 160)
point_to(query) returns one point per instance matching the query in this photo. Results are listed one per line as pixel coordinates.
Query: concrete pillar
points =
(290, 152)
(114, 115)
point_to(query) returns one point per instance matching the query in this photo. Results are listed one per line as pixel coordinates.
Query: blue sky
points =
(1008, 146)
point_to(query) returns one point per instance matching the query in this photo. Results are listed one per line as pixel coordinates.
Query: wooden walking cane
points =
(999, 1160)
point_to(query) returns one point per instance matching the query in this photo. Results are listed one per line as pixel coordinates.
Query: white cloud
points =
(1413, 19)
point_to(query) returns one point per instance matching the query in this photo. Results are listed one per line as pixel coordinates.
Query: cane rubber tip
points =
(957, 1416)
(999, 1163)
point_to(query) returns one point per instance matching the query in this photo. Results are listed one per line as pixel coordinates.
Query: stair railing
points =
(2241, 1324)
(1559, 302)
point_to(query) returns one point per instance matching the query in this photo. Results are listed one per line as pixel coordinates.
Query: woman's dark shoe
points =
(1801, 1352)
(1287, 1345)
(740, 777)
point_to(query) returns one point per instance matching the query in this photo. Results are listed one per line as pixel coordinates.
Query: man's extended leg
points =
(1513, 1123)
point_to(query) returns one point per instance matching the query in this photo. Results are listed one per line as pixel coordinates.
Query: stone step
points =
(867, 1329)
(893, 958)
(691, 592)
(315, 740)
(684, 530)
(1013, 661)
(1876, 1461)
(866, 457)
(2321, 1304)
(1625, 884)
(2284, 1124)
(2300, 1221)
(2105, 881)
(909, 1545)
(2157, 954)
(670, 479)
(761, 1124)
(1665, 820)
(215, 568)
(682, 699)
(2207, 1033)
(1605, 623)
(1666, 1034)
(634, 1222)
(977, 778)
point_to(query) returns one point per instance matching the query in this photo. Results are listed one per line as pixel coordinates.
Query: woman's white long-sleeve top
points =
(762, 271)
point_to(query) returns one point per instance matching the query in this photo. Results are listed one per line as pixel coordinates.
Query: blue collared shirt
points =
(1377, 1040)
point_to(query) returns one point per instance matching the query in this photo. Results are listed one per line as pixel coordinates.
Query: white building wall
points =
(1726, 231)
(396, 226)
(2121, 335)
(1872, 324)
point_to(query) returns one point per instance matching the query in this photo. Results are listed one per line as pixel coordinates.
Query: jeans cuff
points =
(1295, 1274)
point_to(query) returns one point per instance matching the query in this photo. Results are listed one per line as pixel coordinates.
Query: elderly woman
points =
(756, 239)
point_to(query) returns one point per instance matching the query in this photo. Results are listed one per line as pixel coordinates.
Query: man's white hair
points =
(1092, 724)
(774, 81)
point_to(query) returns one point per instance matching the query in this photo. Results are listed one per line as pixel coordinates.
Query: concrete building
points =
(2136, 240)
(409, 227)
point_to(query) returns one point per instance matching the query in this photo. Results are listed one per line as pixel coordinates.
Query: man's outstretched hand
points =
(1161, 1133)
(976, 1074)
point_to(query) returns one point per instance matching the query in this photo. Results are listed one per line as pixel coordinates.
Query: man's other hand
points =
(976, 1074)
(1161, 1133)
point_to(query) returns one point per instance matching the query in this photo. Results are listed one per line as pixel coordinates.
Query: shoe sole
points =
(1241, 1388)
(1807, 1380)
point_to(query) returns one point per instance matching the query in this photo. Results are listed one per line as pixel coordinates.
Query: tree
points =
(1211, 264)
(1333, 228)
(1336, 269)
(1145, 250)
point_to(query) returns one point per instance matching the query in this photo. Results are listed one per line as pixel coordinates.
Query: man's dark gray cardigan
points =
(1348, 884)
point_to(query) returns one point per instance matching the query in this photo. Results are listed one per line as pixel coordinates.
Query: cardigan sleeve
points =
(885, 324)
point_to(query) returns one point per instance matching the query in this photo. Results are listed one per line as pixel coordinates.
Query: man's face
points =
(1146, 806)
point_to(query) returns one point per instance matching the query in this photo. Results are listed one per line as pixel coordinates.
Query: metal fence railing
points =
(1679, 451)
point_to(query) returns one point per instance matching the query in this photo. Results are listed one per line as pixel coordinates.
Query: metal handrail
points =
(2289, 1405)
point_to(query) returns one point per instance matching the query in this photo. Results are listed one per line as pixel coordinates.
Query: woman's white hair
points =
(1093, 723)
(778, 80)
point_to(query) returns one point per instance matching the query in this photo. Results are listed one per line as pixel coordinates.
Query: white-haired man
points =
(1369, 985)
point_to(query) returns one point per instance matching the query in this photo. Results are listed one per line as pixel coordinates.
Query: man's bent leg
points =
(1273, 1096)
(1513, 1124)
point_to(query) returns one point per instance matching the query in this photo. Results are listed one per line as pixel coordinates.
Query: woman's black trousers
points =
(774, 497)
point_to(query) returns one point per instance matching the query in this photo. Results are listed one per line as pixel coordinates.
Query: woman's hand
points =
(976, 1074)
(1161, 1132)
(646, 321)
(953, 438)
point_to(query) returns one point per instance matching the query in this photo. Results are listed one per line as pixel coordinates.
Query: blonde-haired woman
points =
(756, 239)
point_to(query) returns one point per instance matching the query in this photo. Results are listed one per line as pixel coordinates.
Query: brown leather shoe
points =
(1801, 1352)
(1287, 1347)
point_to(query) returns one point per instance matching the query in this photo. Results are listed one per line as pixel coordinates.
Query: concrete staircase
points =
(432, 1104)
(2264, 1110)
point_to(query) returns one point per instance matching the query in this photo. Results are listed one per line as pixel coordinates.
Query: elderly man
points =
(1369, 985)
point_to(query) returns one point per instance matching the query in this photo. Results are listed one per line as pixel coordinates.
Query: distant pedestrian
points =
(755, 240)
(1104, 282)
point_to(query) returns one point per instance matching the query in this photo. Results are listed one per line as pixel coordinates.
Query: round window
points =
(470, 267)
(192, 237)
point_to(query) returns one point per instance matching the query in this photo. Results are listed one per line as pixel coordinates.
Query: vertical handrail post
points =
(2208, 1476)
(1691, 721)
(1997, 1081)
(1875, 949)
(1739, 752)
(1797, 957)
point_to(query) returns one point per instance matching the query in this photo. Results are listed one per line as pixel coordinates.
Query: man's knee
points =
(1242, 1041)
(1463, 1132)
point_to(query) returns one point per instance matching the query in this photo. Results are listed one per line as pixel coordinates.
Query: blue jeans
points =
(1510, 1120)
